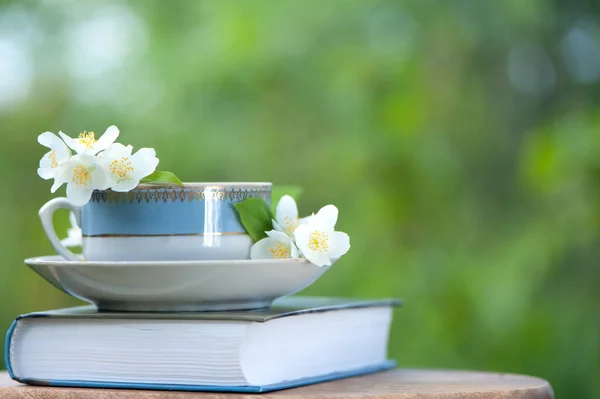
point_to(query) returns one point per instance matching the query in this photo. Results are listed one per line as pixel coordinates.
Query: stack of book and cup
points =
(177, 304)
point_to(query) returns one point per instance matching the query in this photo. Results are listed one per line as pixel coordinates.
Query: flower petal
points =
(279, 236)
(46, 161)
(286, 240)
(46, 173)
(260, 250)
(71, 241)
(58, 154)
(99, 178)
(306, 220)
(276, 246)
(116, 150)
(124, 186)
(144, 162)
(286, 214)
(327, 216)
(301, 235)
(109, 137)
(269, 248)
(79, 195)
(294, 252)
(63, 153)
(72, 143)
(50, 140)
(286, 207)
(318, 258)
(46, 139)
(61, 176)
(339, 244)
(276, 226)
(56, 185)
(74, 234)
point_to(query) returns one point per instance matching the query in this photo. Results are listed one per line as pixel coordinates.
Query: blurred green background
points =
(460, 141)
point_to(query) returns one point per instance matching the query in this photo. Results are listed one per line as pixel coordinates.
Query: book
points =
(298, 341)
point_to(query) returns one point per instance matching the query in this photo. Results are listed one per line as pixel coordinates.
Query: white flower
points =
(86, 143)
(58, 154)
(276, 246)
(74, 234)
(124, 170)
(318, 241)
(83, 174)
(286, 216)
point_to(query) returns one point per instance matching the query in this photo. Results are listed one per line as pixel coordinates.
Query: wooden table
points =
(395, 384)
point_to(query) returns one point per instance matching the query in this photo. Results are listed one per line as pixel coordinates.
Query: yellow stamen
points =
(290, 224)
(279, 252)
(81, 176)
(318, 241)
(87, 139)
(52, 157)
(121, 168)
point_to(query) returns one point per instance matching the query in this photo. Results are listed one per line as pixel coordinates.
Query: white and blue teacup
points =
(160, 222)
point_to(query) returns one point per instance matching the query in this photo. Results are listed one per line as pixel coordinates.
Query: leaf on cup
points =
(255, 216)
(279, 191)
(162, 177)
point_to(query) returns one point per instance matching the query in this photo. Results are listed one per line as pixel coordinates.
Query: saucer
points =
(178, 286)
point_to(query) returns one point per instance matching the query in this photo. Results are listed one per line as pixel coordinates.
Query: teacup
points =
(160, 222)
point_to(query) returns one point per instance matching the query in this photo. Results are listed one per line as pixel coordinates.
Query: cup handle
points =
(46, 213)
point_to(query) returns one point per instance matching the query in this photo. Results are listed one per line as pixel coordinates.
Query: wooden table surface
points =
(395, 384)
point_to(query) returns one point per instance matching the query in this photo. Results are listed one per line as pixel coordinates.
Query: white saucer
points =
(171, 286)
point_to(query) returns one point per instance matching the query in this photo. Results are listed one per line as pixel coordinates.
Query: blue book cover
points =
(286, 307)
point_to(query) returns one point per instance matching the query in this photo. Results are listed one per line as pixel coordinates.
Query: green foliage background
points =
(459, 140)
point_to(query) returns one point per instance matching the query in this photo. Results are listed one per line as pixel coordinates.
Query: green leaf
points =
(162, 177)
(255, 216)
(279, 191)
